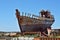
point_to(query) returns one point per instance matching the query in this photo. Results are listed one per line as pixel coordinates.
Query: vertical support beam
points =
(25, 14)
(22, 13)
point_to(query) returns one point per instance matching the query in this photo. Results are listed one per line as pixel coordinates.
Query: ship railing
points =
(35, 16)
(41, 18)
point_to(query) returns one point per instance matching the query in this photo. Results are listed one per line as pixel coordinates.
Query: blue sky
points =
(8, 21)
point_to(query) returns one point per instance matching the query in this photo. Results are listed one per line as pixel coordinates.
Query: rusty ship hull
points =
(35, 25)
(31, 24)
